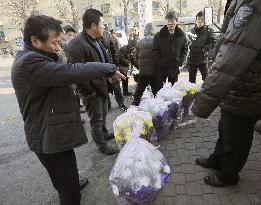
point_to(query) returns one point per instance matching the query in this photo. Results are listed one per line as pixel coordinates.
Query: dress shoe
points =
(83, 182)
(106, 149)
(109, 136)
(216, 181)
(203, 162)
(123, 107)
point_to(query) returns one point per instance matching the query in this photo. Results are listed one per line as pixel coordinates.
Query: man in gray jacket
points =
(234, 84)
(48, 105)
(147, 73)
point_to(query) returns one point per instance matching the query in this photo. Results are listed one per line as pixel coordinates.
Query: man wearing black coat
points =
(87, 47)
(48, 105)
(234, 84)
(169, 50)
(198, 55)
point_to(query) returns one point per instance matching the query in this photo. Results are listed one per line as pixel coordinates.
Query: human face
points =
(171, 24)
(200, 21)
(98, 29)
(69, 36)
(51, 45)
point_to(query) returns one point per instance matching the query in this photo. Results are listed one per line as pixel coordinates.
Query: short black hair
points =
(91, 16)
(171, 15)
(68, 28)
(40, 26)
(200, 14)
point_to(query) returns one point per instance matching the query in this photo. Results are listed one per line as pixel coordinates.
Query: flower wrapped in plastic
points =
(125, 123)
(139, 173)
(164, 112)
(188, 92)
(169, 93)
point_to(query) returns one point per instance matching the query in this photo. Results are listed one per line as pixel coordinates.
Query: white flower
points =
(158, 183)
(144, 181)
(115, 190)
(166, 169)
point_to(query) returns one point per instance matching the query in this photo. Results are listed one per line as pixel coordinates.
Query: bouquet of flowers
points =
(139, 173)
(188, 92)
(124, 124)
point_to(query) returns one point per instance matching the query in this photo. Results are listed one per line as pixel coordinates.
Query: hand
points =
(117, 76)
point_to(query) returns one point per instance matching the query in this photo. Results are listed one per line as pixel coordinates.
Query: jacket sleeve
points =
(114, 52)
(240, 49)
(156, 51)
(47, 74)
(184, 52)
(210, 40)
(123, 58)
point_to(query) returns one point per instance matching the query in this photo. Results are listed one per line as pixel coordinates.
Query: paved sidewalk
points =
(185, 185)
(24, 181)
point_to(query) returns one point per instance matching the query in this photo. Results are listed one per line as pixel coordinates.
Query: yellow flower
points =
(127, 130)
(149, 123)
(184, 94)
(143, 131)
(126, 137)
(118, 138)
(193, 92)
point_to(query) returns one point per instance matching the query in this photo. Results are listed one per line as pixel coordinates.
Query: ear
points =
(35, 42)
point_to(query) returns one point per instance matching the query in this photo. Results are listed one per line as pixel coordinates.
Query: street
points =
(23, 180)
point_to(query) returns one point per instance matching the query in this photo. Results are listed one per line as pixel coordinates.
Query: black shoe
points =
(109, 136)
(135, 103)
(203, 162)
(83, 182)
(215, 181)
(127, 93)
(123, 107)
(108, 150)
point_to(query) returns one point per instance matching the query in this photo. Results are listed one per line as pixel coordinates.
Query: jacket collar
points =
(164, 32)
(28, 47)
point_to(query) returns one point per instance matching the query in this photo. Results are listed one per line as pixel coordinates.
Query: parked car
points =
(122, 37)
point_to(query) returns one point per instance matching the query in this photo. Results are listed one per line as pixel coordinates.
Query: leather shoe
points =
(203, 162)
(106, 149)
(110, 136)
(215, 181)
(83, 182)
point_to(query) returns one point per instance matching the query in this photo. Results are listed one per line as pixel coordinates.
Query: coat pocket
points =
(62, 118)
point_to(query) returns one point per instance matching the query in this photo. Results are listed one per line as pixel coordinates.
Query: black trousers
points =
(125, 83)
(144, 81)
(233, 145)
(63, 171)
(162, 77)
(203, 68)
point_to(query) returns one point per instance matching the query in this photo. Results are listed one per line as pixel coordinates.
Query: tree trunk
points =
(74, 16)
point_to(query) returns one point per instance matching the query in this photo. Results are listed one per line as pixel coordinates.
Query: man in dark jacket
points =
(169, 50)
(87, 47)
(127, 58)
(147, 74)
(114, 85)
(198, 55)
(234, 84)
(48, 105)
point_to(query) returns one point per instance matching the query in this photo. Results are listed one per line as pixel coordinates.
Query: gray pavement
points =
(23, 180)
